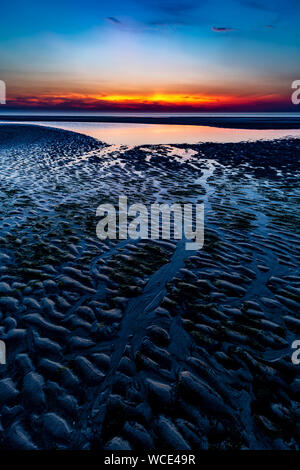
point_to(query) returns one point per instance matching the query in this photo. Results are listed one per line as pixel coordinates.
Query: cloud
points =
(165, 14)
(242, 102)
(114, 20)
(168, 23)
(222, 29)
(178, 7)
(175, 11)
(174, 7)
(257, 5)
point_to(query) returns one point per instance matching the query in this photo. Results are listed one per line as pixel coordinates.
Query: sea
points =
(132, 134)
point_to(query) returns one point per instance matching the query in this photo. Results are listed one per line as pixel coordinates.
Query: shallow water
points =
(139, 134)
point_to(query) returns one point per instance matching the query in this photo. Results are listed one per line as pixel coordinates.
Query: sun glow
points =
(143, 101)
(164, 98)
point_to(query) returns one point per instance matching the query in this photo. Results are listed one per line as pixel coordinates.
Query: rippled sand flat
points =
(141, 344)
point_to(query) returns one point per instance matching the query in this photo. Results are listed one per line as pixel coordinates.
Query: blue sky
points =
(200, 53)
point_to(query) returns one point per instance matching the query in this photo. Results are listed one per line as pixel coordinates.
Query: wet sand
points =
(141, 344)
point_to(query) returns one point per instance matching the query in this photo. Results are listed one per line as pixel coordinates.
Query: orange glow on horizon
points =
(160, 99)
(165, 98)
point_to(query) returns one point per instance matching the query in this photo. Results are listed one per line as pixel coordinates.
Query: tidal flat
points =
(141, 344)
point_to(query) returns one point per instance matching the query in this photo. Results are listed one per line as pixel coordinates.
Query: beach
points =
(142, 344)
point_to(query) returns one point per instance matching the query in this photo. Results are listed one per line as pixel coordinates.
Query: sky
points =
(150, 55)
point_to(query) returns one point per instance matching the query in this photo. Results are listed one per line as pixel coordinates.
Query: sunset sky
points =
(150, 55)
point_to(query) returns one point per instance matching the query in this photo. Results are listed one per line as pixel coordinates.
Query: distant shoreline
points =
(239, 122)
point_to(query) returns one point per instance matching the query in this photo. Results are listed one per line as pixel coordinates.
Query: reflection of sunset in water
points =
(139, 134)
